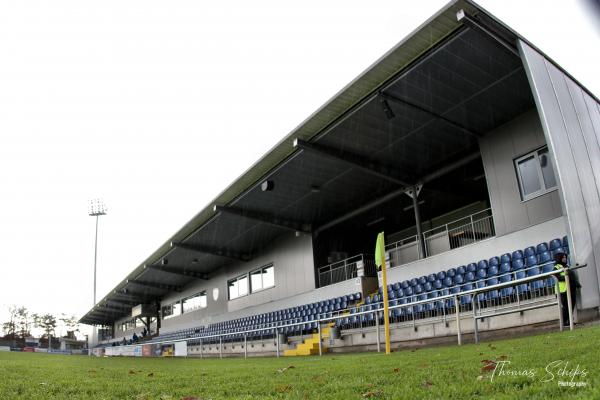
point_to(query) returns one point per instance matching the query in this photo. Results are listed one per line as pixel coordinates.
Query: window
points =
(171, 310)
(535, 174)
(262, 278)
(238, 287)
(130, 324)
(193, 302)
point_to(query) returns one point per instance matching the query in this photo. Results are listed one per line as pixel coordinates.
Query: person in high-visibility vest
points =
(561, 260)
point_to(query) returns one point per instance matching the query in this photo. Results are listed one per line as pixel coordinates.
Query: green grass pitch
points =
(530, 367)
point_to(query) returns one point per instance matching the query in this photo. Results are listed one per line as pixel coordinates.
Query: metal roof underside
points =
(460, 84)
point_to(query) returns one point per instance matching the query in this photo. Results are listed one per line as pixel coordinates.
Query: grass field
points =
(431, 373)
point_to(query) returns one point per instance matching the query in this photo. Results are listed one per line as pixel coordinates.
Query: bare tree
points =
(10, 327)
(70, 323)
(23, 323)
(46, 322)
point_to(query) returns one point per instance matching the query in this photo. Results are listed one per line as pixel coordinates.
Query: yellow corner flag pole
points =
(380, 260)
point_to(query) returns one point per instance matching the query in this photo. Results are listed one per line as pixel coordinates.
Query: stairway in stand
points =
(310, 345)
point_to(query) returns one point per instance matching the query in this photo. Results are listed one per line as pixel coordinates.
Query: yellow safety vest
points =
(562, 286)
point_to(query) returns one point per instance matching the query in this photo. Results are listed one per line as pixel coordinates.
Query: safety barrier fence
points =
(343, 270)
(461, 232)
(516, 295)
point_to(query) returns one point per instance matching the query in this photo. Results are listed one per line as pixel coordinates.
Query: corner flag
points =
(380, 262)
(379, 250)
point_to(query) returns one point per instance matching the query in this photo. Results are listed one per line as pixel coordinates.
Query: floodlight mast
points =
(96, 209)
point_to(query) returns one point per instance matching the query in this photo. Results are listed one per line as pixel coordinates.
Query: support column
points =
(413, 193)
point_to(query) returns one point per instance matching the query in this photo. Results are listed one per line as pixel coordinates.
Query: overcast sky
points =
(158, 106)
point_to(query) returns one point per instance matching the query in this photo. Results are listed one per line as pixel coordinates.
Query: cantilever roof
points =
(397, 72)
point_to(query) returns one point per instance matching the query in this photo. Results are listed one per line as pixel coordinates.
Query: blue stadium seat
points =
(479, 285)
(459, 279)
(441, 275)
(529, 251)
(535, 284)
(470, 276)
(422, 280)
(448, 282)
(466, 299)
(493, 270)
(518, 264)
(505, 258)
(507, 291)
(472, 267)
(451, 272)
(482, 273)
(461, 270)
(492, 294)
(414, 282)
(517, 254)
(530, 261)
(482, 264)
(494, 261)
(418, 289)
(437, 284)
(555, 244)
(431, 278)
(545, 257)
(541, 248)
(504, 268)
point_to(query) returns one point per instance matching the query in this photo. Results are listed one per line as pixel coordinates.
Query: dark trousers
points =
(565, 307)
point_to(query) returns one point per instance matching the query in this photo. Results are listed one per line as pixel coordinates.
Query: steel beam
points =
(427, 178)
(462, 16)
(121, 301)
(178, 271)
(354, 160)
(136, 297)
(211, 250)
(114, 309)
(399, 100)
(155, 285)
(265, 218)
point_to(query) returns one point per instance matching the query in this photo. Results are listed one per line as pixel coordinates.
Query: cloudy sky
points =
(158, 106)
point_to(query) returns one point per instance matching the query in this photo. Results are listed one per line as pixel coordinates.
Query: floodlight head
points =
(96, 208)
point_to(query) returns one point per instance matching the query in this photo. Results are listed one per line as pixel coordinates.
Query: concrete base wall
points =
(406, 335)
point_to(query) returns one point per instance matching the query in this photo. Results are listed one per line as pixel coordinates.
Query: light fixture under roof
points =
(315, 189)
(267, 186)
(385, 106)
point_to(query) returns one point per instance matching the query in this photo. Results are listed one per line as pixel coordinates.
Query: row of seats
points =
(500, 269)
(530, 261)
(305, 315)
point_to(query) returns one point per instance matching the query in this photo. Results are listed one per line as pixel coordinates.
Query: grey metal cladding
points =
(571, 120)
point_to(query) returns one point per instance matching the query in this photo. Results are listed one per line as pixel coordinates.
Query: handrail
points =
(345, 261)
(468, 217)
(470, 221)
(475, 291)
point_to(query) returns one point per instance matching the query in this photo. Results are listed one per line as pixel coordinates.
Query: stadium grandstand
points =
(476, 154)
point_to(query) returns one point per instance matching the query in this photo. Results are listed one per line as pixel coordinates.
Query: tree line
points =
(21, 321)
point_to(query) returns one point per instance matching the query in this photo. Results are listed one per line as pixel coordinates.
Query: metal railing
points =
(343, 270)
(467, 230)
(476, 304)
